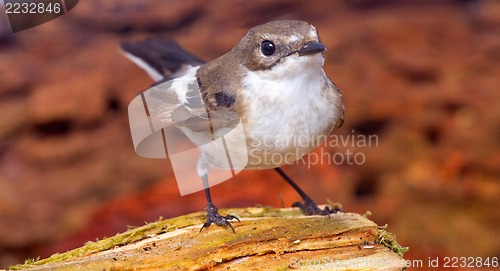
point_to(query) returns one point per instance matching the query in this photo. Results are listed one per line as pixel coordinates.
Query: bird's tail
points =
(162, 58)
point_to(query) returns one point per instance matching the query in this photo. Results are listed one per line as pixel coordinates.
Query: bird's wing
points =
(335, 97)
(161, 58)
(174, 101)
(173, 108)
(179, 102)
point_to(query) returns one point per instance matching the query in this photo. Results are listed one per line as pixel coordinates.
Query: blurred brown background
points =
(422, 75)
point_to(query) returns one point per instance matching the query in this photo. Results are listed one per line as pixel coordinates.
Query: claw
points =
(214, 217)
(309, 207)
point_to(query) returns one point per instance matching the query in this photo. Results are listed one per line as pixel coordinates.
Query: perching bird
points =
(272, 82)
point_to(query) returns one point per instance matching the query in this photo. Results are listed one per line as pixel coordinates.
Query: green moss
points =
(130, 236)
(30, 261)
(225, 240)
(389, 240)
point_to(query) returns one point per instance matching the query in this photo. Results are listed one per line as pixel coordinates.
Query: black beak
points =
(312, 47)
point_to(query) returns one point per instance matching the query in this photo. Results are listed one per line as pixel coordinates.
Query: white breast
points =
(288, 109)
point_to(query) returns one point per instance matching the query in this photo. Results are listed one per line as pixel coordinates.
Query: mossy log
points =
(265, 239)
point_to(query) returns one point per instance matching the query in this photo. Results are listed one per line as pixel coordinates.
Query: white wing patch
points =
(181, 84)
(143, 65)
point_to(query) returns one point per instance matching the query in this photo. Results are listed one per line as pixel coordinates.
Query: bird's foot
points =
(214, 217)
(309, 207)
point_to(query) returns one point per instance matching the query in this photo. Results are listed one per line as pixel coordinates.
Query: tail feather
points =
(161, 58)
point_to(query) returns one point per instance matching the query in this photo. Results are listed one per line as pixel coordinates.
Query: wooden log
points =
(265, 239)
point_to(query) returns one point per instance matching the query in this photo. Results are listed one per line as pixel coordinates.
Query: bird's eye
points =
(267, 48)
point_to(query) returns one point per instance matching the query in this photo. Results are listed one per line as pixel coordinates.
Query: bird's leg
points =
(309, 207)
(213, 215)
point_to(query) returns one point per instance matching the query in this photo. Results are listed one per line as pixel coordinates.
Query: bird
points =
(272, 83)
